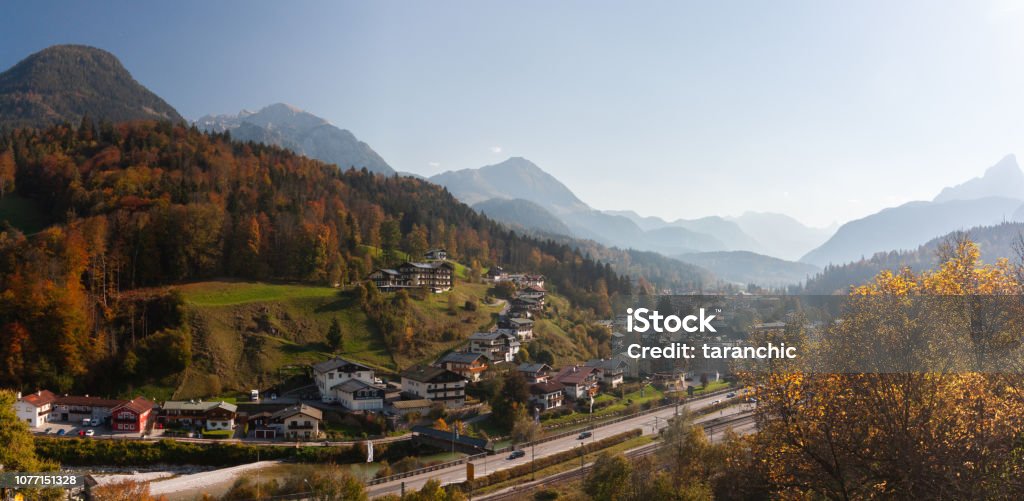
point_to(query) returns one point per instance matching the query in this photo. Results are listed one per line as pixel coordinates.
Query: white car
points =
(89, 433)
(716, 402)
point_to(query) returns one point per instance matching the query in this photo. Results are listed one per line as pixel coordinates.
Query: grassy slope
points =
(244, 332)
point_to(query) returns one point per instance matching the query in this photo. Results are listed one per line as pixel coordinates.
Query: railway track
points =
(646, 450)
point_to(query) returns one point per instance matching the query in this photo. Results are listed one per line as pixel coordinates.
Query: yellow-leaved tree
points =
(921, 396)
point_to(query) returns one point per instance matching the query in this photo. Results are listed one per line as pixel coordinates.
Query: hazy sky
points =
(825, 110)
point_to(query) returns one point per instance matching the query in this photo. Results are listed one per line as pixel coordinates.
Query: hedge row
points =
(561, 457)
(92, 452)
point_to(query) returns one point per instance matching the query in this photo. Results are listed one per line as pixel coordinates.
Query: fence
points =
(427, 469)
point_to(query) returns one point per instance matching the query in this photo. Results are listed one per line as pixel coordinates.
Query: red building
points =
(132, 415)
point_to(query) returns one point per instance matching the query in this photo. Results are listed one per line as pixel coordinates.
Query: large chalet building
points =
(437, 276)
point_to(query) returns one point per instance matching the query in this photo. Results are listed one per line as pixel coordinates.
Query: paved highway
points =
(649, 423)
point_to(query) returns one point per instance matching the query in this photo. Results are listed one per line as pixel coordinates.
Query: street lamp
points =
(581, 460)
(533, 462)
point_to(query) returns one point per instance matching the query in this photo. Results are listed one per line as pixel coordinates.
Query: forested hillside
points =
(994, 242)
(147, 204)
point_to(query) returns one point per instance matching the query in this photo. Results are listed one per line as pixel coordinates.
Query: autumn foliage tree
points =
(147, 204)
(951, 430)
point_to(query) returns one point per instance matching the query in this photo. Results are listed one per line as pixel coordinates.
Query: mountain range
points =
(64, 83)
(300, 131)
(68, 82)
(994, 242)
(506, 189)
(995, 197)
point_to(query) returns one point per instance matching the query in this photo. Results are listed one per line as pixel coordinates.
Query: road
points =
(649, 423)
(740, 423)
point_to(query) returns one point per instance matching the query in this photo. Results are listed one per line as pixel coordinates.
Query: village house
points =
(35, 408)
(547, 395)
(298, 422)
(525, 306)
(579, 381)
(496, 274)
(331, 373)
(610, 372)
(211, 415)
(524, 280)
(436, 255)
(435, 384)
(132, 416)
(497, 346)
(468, 365)
(358, 395)
(386, 279)
(535, 373)
(521, 327)
(77, 408)
(534, 292)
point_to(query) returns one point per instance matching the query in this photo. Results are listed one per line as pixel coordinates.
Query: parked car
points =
(585, 435)
(517, 454)
(731, 395)
(89, 433)
(716, 402)
(61, 431)
(47, 431)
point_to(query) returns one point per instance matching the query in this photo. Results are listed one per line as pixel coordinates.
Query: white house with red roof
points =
(35, 409)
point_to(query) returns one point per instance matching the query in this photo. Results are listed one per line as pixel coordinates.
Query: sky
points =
(825, 110)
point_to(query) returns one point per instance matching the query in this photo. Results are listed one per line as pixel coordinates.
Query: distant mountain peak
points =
(514, 177)
(1004, 179)
(63, 83)
(291, 127)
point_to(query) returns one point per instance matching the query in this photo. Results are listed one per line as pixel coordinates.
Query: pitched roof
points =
(40, 398)
(423, 373)
(426, 266)
(460, 357)
(88, 401)
(197, 405)
(545, 388)
(304, 409)
(533, 368)
(138, 405)
(412, 404)
(609, 364)
(573, 374)
(341, 364)
(520, 321)
(353, 385)
(486, 336)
